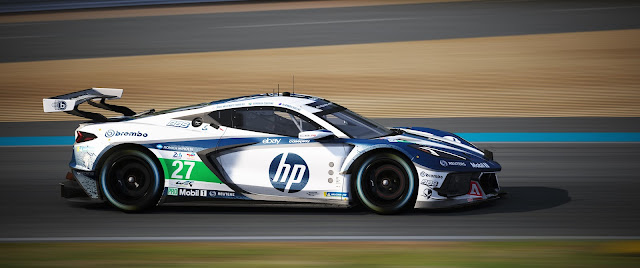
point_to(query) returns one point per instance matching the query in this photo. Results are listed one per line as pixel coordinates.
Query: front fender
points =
(360, 150)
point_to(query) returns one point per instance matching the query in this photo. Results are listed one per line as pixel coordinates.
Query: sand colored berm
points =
(551, 75)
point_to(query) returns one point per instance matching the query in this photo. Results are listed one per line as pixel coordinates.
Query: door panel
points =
(290, 167)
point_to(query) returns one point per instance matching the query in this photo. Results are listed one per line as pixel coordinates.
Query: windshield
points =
(354, 125)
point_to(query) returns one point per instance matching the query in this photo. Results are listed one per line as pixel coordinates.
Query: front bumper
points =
(442, 190)
(456, 203)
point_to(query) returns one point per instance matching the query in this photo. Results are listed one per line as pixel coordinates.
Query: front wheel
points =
(131, 180)
(385, 183)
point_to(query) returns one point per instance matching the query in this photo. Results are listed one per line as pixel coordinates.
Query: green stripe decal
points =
(187, 170)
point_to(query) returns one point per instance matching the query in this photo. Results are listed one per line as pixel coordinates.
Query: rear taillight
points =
(84, 136)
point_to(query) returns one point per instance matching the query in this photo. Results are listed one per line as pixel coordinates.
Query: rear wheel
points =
(385, 183)
(131, 180)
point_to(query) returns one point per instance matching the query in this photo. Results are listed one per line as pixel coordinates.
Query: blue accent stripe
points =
(472, 137)
(552, 137)
(37, 141)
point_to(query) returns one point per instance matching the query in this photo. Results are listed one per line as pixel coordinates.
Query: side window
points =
(290, 124)
(265, 119)
(334, 120)
(222, 117)
(255, 119)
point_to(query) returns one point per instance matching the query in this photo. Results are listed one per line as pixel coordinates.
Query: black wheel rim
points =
(129, 179)
(385, 182)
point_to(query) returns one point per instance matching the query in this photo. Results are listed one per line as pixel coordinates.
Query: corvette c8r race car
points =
(270, 147)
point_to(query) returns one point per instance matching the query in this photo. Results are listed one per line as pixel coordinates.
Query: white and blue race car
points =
(279, 147)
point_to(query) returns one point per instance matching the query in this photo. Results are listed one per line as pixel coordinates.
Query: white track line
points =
(594, 8)
(308, 238)
(310, 23)
(25, 36)
(21, 24)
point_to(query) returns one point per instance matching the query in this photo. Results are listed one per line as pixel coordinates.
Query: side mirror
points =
(314, 134)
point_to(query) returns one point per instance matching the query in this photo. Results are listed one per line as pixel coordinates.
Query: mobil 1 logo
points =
(186, 192)
(288, 173)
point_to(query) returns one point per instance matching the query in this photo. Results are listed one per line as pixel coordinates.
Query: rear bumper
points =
(87, 181)
(80, 183)
(71, 189)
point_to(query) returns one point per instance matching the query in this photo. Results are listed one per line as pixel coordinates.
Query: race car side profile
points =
(280, 147)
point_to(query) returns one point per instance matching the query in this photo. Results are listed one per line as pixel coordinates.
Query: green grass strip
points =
(324, 254)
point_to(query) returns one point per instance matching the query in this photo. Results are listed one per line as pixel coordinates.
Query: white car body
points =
(201, 157)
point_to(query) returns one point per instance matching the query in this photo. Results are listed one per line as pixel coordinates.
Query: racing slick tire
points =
(385, 183)
(131, 181)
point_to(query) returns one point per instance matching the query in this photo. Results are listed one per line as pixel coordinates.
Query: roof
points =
(265, 95)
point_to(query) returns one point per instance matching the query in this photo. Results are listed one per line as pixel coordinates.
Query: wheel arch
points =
(364, 156)
(125, 146)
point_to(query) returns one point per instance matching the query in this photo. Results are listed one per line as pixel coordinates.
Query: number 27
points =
(180, 165)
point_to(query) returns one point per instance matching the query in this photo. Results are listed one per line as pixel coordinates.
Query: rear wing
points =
(69, 103)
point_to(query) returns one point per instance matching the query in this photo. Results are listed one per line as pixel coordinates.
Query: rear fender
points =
(89, 179)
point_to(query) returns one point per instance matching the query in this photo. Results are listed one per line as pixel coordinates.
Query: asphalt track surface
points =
(38, 5)
(307, 27)
(555, 189)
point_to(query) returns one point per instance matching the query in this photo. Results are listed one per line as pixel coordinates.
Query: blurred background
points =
(490, 67)
(393, 59)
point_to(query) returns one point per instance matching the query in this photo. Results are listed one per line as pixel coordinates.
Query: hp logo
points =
(288, 173)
